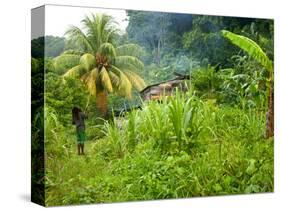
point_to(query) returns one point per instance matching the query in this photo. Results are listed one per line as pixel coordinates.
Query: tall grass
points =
(181, 147)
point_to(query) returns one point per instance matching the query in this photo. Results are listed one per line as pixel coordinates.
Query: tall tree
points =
(160, 33)
(103, 67)
(255, 51)
(48, 46)
(205, 42)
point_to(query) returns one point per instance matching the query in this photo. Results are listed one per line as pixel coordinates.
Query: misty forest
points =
(176, 106)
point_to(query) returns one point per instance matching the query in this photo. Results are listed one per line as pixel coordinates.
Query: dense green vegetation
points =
(176, 149)
(211, 140)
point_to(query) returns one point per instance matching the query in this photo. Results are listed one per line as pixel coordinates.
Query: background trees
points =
(48, 46)
(160, 33)
(165, 43)
(192, 41)
(206, 141)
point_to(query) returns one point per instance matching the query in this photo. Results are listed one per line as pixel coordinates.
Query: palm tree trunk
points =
(270, 112)
(101, 103)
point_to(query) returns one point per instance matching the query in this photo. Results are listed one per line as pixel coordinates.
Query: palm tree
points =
(255, 51)
(103, 67)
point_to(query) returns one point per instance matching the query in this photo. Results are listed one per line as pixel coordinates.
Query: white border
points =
(15, 104)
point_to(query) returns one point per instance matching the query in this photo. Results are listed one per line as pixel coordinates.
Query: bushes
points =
(216, 148)
(242, 86)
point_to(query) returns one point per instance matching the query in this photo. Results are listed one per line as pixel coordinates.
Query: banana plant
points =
(256, 52)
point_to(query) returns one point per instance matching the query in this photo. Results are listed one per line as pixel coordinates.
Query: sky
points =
(59, 18)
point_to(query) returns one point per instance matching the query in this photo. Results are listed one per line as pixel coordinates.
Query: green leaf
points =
(130, 49)
(251, 47)
(108, 50)
(73, 72)
(89, 79)
(125, 60)
(105, 79)
(217, 187)
(88, 61)
(77, 38)
(252, 189)
(125, 86)
(251, 168)
(65, 62)
(137, 82)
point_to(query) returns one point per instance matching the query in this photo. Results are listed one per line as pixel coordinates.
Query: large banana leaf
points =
(251, 47)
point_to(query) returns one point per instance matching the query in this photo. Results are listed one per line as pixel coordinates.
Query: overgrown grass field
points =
(182, 147)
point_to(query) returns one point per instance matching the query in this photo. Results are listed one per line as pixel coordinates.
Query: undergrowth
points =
(182, 147)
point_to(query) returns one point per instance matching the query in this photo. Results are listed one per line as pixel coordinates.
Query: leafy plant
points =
(206, 81)
(255, 51)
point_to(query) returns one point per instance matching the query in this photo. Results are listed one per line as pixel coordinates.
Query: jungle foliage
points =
(183, 147)
(210, 140)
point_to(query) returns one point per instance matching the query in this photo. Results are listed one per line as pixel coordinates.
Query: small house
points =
(166, 88)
